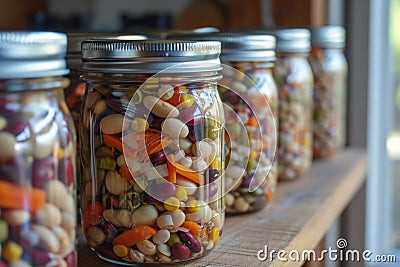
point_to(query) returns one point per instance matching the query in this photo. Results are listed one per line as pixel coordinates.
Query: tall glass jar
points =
(330, 77)
(75, 92)
(152, 145)
(37, 155)
(249, 93)
(294, 78)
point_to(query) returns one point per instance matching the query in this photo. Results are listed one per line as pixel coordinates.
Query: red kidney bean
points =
(190, 240)
(43, 171)
(66, 171)
(70, 259)
(15, 126)
(196, 133)
(180, 251)
(15, 167)
(161, 191)
(158, 158)
(40, 258)
(154, 121)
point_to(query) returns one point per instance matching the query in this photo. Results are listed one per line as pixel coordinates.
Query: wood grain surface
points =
(300, 215)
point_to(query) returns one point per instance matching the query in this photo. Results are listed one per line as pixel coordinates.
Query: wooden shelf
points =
(299, 217)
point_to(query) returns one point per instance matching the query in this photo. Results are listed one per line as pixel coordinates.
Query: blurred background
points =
(372, 221)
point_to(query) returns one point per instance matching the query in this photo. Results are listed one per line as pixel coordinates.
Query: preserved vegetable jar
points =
(329, 66)
(37, 155)
(74, 93)
(249, 92)
(152, 150)
(294, 79)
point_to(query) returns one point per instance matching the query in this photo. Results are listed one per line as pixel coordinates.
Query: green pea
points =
(131, 201)
(174, 239)
(104, 90)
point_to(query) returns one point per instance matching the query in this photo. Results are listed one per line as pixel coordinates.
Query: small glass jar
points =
(152, 150)
(37, 155)
(294, 78)
(329, 66)
(75, 92)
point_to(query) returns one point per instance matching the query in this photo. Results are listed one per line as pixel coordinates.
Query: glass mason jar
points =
(75, 92)
(37, 155)
(329, 66)
(152, 150)
(294, 78)
(249, 93)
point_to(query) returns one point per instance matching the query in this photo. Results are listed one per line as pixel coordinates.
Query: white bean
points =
(159, 107)
(16, 217)
(174, 128)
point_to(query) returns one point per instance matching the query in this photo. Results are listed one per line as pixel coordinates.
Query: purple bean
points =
(14, 168)
(154, 121)
(161, 191)
(246, 181)
(180, 251)
(213, 175)
(70, 259)
(43, 171)
(40, 258)
(190, 240)
(66, 171)
(158, 158)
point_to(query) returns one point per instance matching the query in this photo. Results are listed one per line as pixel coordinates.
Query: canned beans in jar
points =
(152, 159)
(294, 78)
(330, 74)
(250, 92)
(37, 177)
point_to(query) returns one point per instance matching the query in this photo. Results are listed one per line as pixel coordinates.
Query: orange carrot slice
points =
(131, 237)
(113, 142)
(193, 227)
(252, 122)
(188, 173)
(124, 172)
(171, 169)
(13, 196)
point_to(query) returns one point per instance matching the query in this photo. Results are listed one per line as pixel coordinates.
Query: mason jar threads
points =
(329, 66)
(294, 79)
(37, 155)
(152, 150)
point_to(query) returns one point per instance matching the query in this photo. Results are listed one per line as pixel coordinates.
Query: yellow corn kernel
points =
(172, 204)
(187, 100)
(214, 235)
(193, 205)
(60, 153)
(12, 251)
(181, 193)
(121, 250)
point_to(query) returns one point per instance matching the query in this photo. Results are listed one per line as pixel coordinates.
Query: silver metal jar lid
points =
(237, 47)
(75, 41)
(32, 54)
(293, 40)
(150, 56)
(329, 36)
